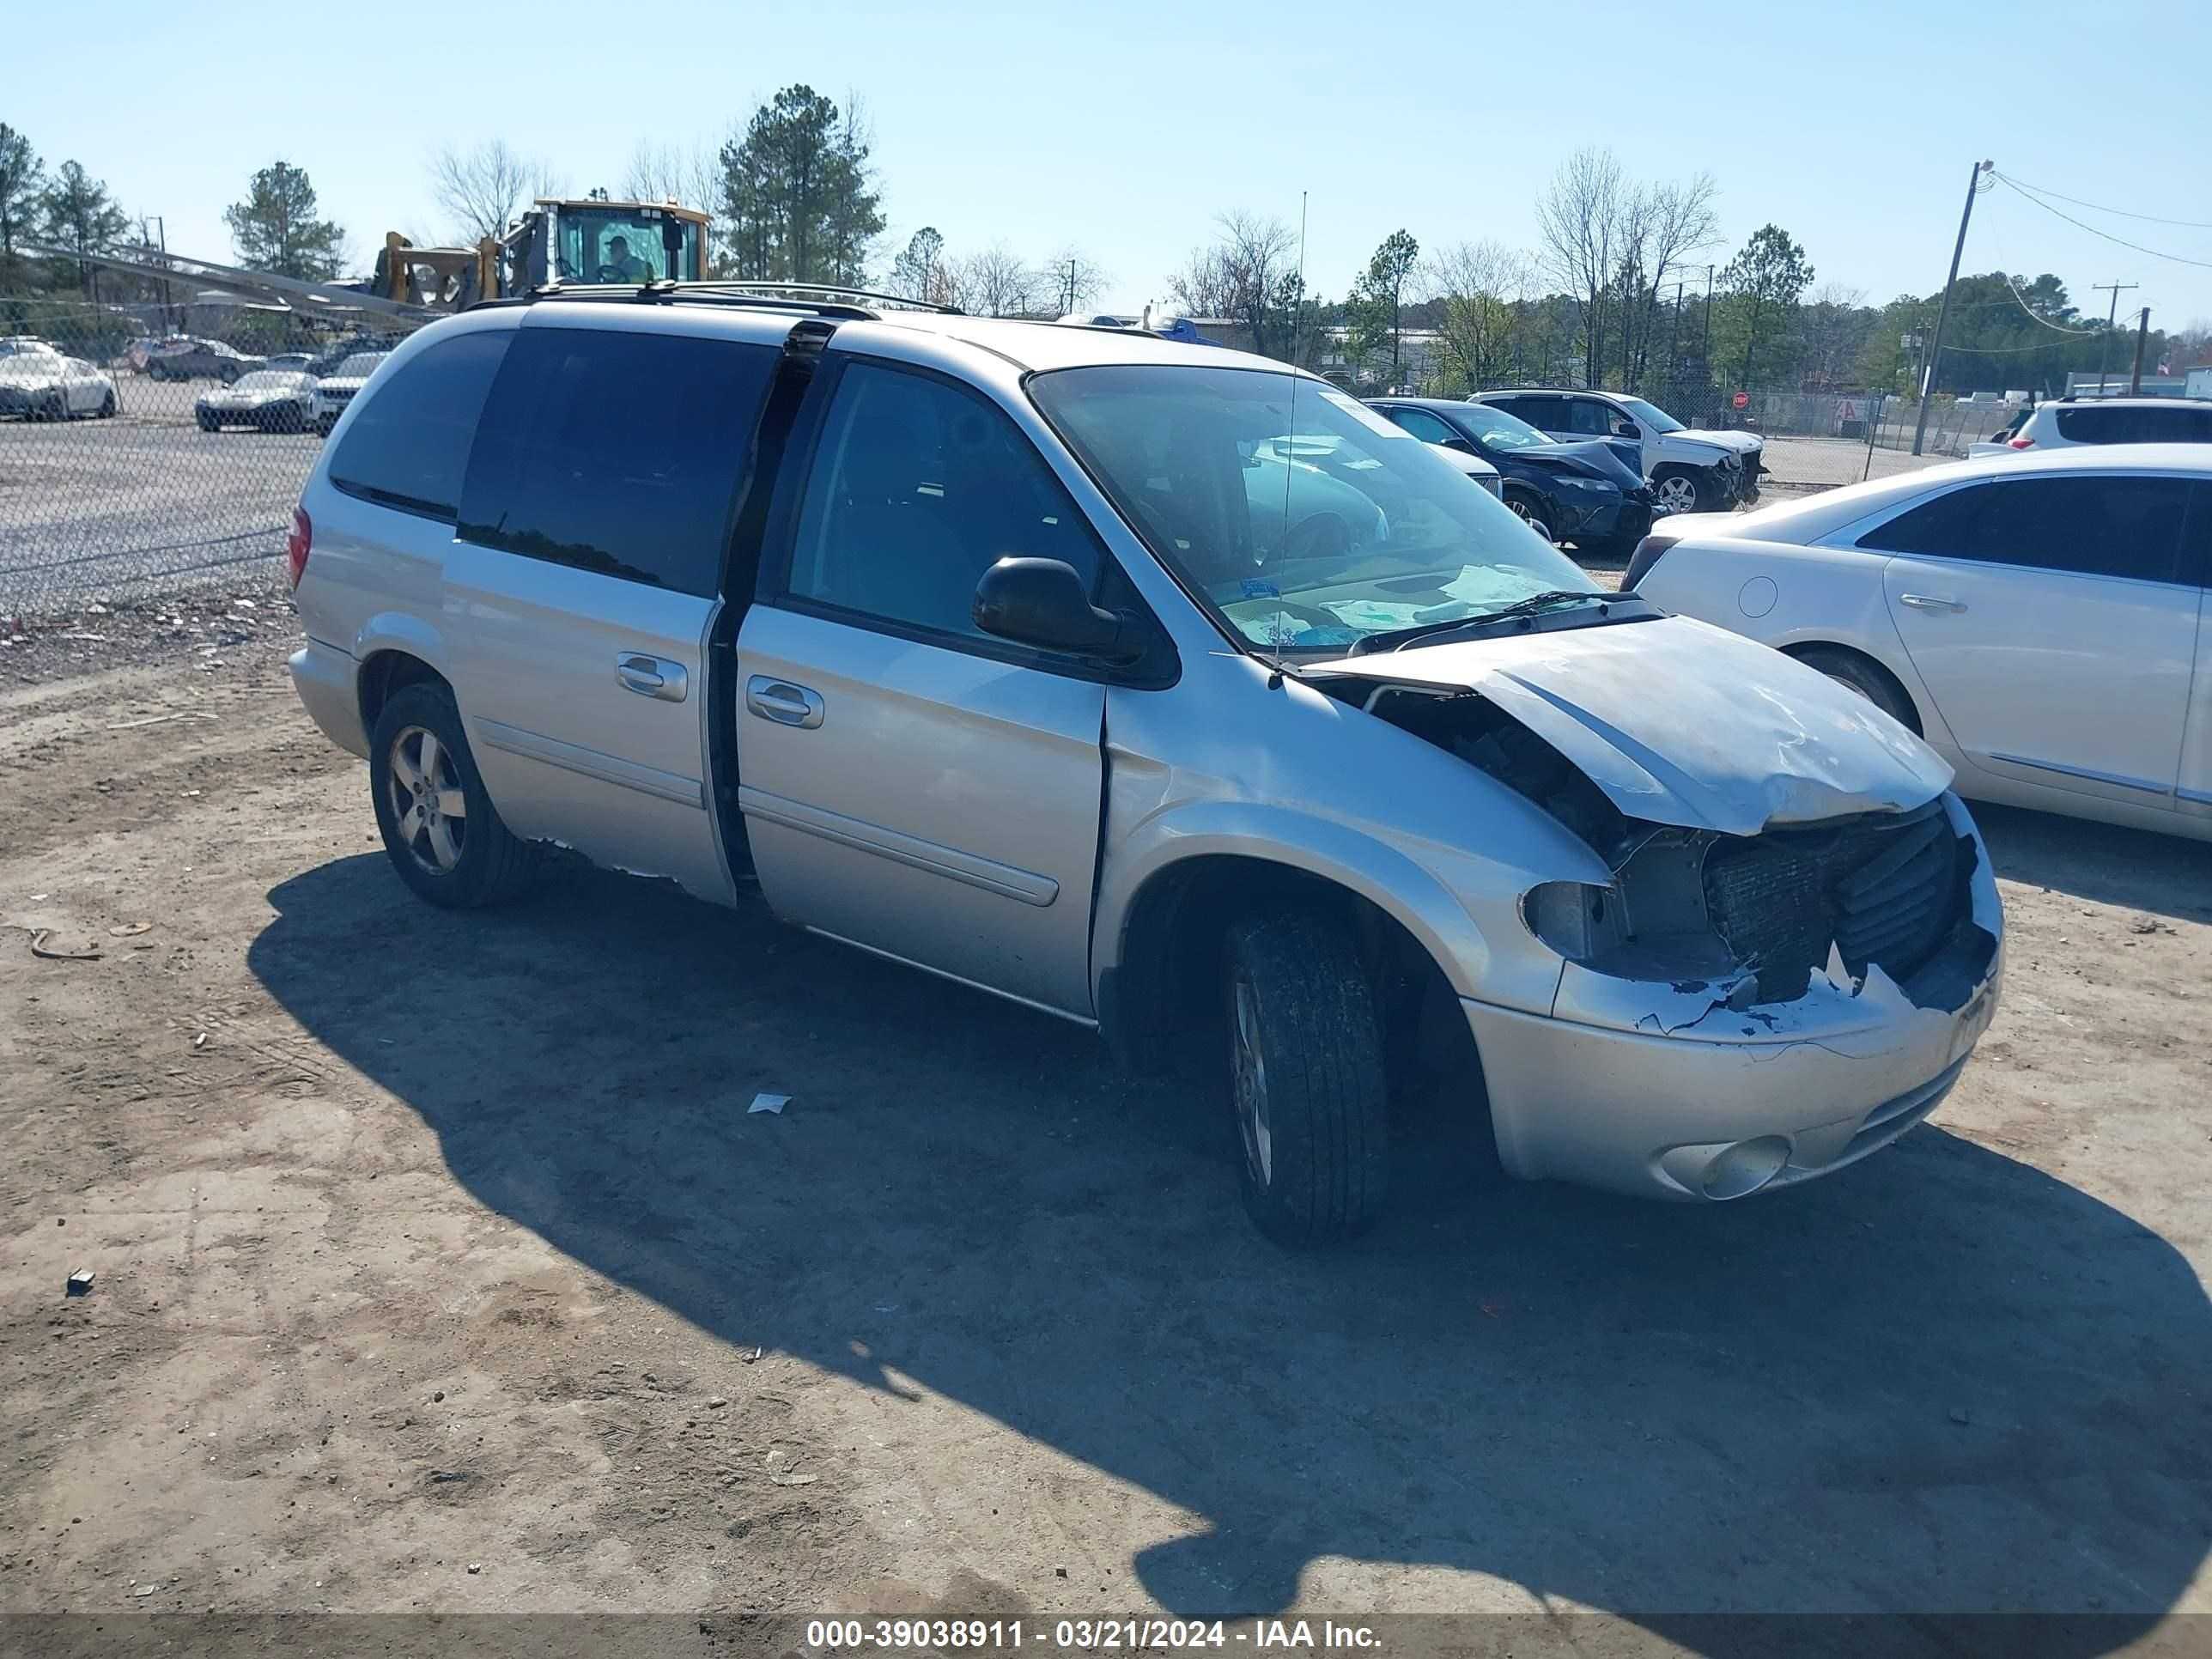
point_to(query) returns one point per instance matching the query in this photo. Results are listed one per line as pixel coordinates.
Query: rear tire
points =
(1307, 1083)
(420, 769)
(1864, 675)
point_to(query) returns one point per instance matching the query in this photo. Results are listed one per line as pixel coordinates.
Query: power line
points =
(2098, 207)
(2012, 289)
(2176, 258)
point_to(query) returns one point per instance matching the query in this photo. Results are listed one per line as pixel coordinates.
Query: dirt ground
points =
(438, 1264)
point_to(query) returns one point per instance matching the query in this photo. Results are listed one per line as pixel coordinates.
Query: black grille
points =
(1888, 891)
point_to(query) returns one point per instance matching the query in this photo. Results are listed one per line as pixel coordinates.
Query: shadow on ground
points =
(2101, 862)
(1945, 1381)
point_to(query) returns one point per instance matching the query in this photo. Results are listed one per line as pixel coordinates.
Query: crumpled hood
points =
(1740, 443)
(1682, 723)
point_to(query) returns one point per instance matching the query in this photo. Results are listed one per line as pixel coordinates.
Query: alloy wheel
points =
(1250, 1073)
(428, 805)
(1677, 493)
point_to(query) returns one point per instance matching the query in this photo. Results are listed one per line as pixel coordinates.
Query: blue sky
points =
(1124, 130)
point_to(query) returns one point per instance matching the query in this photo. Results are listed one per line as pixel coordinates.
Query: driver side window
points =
(1425, 427)
(918, 487)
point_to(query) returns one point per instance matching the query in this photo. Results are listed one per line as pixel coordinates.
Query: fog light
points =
(1741, 1170)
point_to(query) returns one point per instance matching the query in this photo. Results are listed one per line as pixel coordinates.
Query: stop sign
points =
(1742, 400)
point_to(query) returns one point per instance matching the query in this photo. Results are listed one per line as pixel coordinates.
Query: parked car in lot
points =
(192, 360)
(26, 345)
(2102, 420)
(2036, 618)
(992, 661)
(44, 385)
(1581, 493)
(334, 391)
(268, 400)
(1689, 471)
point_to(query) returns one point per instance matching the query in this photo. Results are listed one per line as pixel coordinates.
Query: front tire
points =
(441, 830)
(1681, 489)
(1307, 1083)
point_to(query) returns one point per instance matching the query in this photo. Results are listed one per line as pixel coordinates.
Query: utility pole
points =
(1943, 311)
(1674, 338)
(1708, 347)
(168, 307)
(2111, 316)
(2142, 328)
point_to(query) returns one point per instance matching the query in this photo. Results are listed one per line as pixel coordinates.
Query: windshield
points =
(266, 379)
(621, 245)
(1651, 415)
(1498, 429)
(1307, 520)
(359, 367)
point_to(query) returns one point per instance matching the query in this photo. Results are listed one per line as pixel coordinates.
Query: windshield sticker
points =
(1366, 417)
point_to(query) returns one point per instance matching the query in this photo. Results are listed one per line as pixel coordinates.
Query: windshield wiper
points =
(1397, 639)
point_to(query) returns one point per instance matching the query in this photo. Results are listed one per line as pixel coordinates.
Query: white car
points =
(2103, 420)
(1479, 470)
(335, 390)
(1690, 471)
(44, 385)
(2035, 618)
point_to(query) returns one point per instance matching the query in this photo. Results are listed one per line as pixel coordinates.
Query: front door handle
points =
(783, 702)
(653, 677)
(1929, 602)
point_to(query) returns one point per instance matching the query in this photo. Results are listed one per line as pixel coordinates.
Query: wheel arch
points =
(1160, 945)
(384, 670)
(1798, 649)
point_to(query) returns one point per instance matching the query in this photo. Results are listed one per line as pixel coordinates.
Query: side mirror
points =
(1041, 603)
(1463, 446)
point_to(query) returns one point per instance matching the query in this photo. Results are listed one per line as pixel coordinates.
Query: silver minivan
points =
(1161, 688)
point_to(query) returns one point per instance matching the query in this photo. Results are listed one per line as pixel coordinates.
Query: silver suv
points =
(1158, 687)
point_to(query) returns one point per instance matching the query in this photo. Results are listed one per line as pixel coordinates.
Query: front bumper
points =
(328, 682)
(1747, 487)
(1650, 1115)
(1578, 518)
(1658, 1090)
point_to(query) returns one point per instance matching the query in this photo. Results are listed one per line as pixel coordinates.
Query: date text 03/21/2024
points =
(1088, 1635)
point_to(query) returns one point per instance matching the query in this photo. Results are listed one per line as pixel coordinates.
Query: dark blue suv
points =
(1582, 493)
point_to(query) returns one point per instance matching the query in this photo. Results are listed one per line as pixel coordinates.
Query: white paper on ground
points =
(768, 1104)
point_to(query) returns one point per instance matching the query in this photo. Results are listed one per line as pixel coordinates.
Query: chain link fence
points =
(158, 449)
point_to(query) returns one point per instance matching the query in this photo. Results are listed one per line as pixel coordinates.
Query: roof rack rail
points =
(661, 290)
(831, 292)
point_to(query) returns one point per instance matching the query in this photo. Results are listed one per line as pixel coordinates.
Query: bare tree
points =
(482, 189)
(1206, 286)
(690, 176)
(994, 282)
(1077, 279)
(1479, 285)
(1673, 220)
(1579, 217)
(1832, 328)
(1249, 273)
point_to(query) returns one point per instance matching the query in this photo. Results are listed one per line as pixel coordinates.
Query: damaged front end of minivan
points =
(1799, 939)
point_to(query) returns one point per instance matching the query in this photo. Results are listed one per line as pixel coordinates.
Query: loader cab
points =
(593, 241)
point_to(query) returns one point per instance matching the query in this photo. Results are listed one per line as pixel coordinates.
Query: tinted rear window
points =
(408, 446)
(616, 451)
(2086, 423)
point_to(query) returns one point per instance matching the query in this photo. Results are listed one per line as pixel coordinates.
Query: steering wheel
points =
(609, 274)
